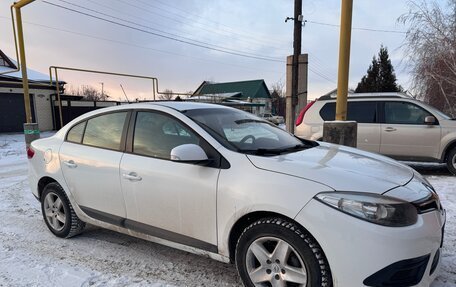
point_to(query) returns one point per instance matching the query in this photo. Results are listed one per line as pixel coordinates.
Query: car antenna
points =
(124, 93)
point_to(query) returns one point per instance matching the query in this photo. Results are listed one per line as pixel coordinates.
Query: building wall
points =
(263, 109)
(42, 105)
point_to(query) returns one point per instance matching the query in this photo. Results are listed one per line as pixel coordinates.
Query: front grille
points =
(400, 274)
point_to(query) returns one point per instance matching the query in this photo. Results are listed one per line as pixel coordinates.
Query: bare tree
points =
(278, 98)
(278, 88)
(167, 95)
(430, 46)
(89, 93)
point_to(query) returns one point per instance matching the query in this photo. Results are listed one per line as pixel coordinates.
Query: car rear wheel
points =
(274, 252)
(451, 161)
(58, 213)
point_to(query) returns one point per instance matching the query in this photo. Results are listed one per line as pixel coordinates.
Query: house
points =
(12, 111)
(253, 95)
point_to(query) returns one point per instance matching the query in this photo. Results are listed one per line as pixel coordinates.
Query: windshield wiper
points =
(265, 151)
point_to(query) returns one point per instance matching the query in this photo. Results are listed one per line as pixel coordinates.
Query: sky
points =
(253, 32)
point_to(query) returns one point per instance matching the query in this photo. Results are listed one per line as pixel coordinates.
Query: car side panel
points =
(240, 192)
(368, 137)
(45, 163)
(95, 182)
(173, 196)
(410, 141)
(448, 138)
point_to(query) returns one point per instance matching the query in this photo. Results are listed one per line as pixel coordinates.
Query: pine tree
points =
(380, 75)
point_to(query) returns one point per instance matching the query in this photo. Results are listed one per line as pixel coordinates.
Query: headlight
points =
(378, 209)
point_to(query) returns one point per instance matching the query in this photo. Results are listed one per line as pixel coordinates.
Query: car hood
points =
(340, 168)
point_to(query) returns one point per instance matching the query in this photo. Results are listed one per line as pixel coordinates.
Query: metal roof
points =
(249, 89)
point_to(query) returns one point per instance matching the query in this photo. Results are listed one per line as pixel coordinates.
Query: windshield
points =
(436, 111)
(243, 132)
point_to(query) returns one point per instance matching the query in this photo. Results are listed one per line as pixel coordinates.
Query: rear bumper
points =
(357, 250)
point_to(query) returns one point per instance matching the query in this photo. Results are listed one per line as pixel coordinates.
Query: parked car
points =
(273, 118)
(391, 124)
(221, 182)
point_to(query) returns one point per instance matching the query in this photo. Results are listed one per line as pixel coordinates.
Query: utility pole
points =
(342, 131)
(102, 89)
(31, 130)
(292, 100)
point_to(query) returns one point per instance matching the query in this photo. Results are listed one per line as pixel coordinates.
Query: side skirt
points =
(146, 232)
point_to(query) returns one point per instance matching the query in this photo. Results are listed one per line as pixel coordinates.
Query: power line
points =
(321, 75)
(135, 45)
(362, 29)
(161, 31)
(250, 38)
(205, 46)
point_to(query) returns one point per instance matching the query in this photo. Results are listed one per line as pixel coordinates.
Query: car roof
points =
(368, 96)
(183, 106)
(176, 105)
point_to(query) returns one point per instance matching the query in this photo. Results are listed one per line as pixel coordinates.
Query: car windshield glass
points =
(436, 111)
(243, 132)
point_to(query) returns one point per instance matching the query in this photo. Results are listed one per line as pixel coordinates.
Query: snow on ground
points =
(31, 256)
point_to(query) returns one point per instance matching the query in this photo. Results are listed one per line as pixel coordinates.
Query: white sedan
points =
(223, 183)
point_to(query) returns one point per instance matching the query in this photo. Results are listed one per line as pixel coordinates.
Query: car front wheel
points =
(274, 252)
(58, 213)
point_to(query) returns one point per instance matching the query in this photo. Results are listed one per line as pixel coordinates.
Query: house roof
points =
(249, 89)
(10, 64)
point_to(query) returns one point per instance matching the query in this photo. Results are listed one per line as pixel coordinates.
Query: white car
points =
(220, 182)
(392, 124)
(273, 118)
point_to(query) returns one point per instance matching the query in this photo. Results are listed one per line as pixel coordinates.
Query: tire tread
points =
(325, 272)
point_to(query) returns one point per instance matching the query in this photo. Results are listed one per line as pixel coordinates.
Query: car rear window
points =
(105, 131)
(76, 132)
(361, 112)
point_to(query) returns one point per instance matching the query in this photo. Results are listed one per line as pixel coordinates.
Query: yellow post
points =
(344, 59)
(58, 98)
(23, 65)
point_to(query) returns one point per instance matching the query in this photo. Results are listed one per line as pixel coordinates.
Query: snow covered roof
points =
(8, 64)
(32, 74)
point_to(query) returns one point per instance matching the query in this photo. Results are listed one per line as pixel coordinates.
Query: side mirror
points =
(189, 153)
(430, 120)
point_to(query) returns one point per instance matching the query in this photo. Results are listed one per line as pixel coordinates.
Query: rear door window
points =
(361, 112)
(76, 132)
(105, 131)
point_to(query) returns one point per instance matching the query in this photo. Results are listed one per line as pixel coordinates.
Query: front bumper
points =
(357, 250)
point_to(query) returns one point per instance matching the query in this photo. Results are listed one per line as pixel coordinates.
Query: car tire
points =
(451, 161)
(260, 262)
(58, 213)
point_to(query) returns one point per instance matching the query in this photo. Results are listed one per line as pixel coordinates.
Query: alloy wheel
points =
(54, 211)
(273, 262)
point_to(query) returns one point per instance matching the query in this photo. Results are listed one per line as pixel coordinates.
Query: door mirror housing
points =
(189, 153)
(430, 120)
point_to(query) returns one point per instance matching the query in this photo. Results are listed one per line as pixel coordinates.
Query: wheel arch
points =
(45, 180)
(448, 148)
(248, 219)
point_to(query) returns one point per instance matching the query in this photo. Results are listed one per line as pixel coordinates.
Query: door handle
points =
(390, 129)
(70, 163)
(132, 176)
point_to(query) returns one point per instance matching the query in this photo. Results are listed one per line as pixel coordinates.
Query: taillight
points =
(30, 152)
(303, 112)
